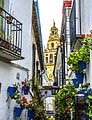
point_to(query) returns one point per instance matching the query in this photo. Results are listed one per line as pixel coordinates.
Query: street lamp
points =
(55, 89)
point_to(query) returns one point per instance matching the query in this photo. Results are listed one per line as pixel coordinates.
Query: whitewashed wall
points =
(21, 10)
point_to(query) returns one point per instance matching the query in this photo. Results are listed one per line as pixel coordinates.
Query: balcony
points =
(10, 37)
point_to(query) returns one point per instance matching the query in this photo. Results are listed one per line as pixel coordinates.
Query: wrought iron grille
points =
(73, 25)
(10, 32)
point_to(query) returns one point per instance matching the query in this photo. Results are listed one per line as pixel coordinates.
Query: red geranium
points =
(82, 36)
(31, 101)
(67, 108)
(25, 101)
(21, 100)
(32, 106)
(42, 112)
(36, 111)
(24, 104)
(30, 79)
(22, 82)
(23, 97)
(29, 105)
(35, 116)
(24, 88)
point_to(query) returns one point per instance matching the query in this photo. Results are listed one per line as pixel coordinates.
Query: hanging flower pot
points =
(9, 19)
(80, 77)
(31, 114)
(26, 90)
(18, 111)
(0, 10)
(84, 92)
(11, 91)
(75, 82)
(82, 64)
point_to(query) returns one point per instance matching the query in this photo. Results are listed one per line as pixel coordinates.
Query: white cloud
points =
(49, 10)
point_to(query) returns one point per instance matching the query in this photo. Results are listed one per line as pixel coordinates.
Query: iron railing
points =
(10, 32)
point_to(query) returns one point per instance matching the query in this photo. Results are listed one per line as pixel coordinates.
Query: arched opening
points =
(51, 57)
(52, 45)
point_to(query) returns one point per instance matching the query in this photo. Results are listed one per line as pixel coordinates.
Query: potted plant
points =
(26, 86)
(18, 111)
(75, 82)
(0, 10)
(11, 91)
(31, 114)
(65, 102)
(9, 19)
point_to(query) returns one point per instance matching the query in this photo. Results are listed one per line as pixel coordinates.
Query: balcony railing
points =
(10, 33)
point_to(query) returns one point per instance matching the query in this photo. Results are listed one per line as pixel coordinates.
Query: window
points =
(52, 45)
(51, 58)
(46, 59)
(46, 54)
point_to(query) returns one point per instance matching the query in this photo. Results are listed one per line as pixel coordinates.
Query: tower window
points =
(46, 59)
(51, 58)
(52, 45)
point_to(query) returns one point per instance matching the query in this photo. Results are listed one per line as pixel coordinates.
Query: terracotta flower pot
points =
(9, 19)
(0, 10)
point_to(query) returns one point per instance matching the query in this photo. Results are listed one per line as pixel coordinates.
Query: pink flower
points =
(68, 98)
(67, 112)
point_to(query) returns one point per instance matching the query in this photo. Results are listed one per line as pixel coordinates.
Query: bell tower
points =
(51, 50)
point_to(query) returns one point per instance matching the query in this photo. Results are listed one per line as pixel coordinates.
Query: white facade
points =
(22, 11)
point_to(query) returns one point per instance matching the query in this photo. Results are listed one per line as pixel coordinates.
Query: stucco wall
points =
(21, 10)
(8, 74)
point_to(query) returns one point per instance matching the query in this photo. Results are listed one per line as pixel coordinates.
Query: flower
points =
(31, 101)
(24, 104)
(68, 98)
(32, 106)
(25, 101)
(24, 88)
(67, 108)
(67, 112)
(29, 106)
(22, 82)
(42, 112)
(23, 97)
(36, 111)
(30, 79)
(21, 100)
(35, 116)
(82, 36)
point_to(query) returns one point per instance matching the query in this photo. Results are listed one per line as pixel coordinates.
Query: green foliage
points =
(65, 101)
(33, 104)
(82, 54)
(85, 85)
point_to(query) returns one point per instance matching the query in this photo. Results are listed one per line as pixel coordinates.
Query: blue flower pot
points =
(76, 85)
(82, 64)
(31, 114)
(11, 91)
(80, 77)
(26, 91)
(18, 111)
(83, 92)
